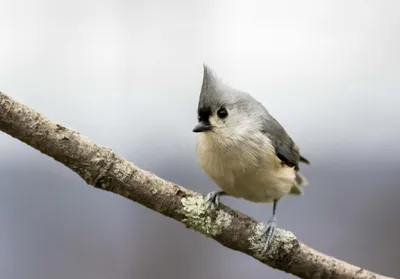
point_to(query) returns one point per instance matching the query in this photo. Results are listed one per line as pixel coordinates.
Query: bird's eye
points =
(222, 113)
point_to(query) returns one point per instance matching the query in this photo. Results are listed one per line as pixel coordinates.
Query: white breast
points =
(245, 168)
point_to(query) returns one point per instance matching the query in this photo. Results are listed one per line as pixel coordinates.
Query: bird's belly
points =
(260, 186)
(247, 169)
(261, 181)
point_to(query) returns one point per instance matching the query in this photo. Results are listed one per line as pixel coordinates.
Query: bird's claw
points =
(270, 231)
(212, 199)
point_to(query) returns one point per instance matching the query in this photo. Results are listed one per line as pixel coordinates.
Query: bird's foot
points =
(212, 199)
(270, 231)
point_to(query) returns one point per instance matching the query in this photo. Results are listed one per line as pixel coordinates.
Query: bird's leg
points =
(271, 225)
(212, 198)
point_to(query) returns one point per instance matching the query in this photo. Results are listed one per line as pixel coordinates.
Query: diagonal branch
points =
(102, 168)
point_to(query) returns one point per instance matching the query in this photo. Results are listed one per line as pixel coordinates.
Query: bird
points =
(244, 149)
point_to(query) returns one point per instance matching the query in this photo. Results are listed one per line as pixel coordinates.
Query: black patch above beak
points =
(202, 126)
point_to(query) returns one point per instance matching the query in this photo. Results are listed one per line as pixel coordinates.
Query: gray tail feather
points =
(301, 181)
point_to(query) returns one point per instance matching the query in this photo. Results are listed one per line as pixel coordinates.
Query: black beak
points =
(202, 126)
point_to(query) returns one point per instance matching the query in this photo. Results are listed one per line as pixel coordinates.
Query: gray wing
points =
(286, 150)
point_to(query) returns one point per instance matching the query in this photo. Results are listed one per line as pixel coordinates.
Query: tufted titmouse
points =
(244, 149)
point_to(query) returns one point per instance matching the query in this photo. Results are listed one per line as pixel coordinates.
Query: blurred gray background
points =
(128, 74)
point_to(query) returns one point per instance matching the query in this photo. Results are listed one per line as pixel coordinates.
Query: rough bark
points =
(102, 168)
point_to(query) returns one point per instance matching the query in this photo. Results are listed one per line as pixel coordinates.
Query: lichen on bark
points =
(198, 217)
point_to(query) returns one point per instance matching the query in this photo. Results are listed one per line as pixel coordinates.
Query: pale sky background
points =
(127, 74)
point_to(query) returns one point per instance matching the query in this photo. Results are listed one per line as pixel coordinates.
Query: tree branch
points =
(102, 168)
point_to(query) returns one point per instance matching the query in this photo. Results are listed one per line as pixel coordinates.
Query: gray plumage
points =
(248, 154)
(285, 147)
(212, 95)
